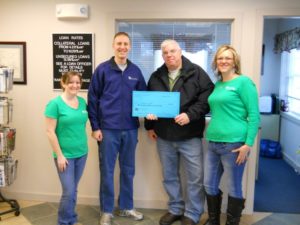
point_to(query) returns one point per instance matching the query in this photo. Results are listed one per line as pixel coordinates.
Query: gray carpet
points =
(46, 214)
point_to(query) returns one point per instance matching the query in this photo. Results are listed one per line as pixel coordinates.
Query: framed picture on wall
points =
(13, 55)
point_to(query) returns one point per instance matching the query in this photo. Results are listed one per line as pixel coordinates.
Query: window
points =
(290, 80)
(198, 40)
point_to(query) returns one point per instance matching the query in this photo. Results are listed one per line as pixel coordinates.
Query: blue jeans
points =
(190, 154)
(69, 180)
(116, 143)
(219, 159)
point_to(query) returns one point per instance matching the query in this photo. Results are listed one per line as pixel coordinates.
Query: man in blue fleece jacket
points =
(114, 128)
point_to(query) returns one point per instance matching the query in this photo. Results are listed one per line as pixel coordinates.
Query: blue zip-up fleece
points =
(110, 96)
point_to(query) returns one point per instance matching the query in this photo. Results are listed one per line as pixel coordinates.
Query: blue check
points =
(163, 104)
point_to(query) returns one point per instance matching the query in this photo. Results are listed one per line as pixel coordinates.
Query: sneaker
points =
(132, 214)
(105, 219)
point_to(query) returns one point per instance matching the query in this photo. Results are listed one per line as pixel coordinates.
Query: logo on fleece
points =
(132, 78)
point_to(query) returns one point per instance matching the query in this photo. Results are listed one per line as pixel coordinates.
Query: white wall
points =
(289, 140)
(34, 21)
(271, 70)
(270, 79)
(290, 125)
(288, 24)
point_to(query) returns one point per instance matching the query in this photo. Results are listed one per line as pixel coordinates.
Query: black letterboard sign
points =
(72, 52)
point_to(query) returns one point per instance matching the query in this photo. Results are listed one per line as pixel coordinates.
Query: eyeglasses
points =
(224, 58)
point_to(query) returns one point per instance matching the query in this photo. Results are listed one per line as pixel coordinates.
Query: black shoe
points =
(187, 221)
(169, 218)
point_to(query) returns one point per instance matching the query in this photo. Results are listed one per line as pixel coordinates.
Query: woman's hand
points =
(243, 154)
(62, 163)
(97, 134)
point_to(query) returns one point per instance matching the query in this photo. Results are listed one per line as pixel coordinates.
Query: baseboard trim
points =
(291, 162)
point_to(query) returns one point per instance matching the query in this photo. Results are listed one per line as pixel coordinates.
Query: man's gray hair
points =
(166, 42)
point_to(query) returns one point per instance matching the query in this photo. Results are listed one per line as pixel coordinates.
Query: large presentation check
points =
(163, 104)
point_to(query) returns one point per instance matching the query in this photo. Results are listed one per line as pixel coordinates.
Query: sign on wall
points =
(72, 52)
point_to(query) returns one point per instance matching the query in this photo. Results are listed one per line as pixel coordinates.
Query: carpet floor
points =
(46, 214)
(277, 188)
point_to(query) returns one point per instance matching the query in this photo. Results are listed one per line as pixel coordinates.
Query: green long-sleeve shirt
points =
(234, 111)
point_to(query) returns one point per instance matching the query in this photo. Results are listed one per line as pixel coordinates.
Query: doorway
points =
(277, 183)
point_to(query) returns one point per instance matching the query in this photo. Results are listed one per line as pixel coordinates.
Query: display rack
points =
(8, 166)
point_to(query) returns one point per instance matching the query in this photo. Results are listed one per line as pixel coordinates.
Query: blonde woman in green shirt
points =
(231, 133)
(66, 118)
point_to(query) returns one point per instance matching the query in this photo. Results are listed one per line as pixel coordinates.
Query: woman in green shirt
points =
(231, 133)
(66, 118)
